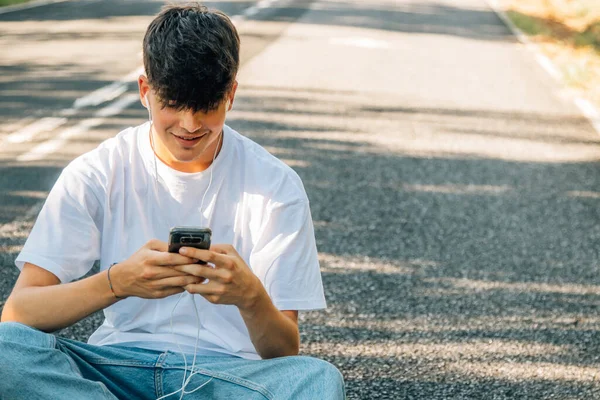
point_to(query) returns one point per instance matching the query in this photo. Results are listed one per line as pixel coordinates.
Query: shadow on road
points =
(450, 273)
(416, 17)
(443, 273)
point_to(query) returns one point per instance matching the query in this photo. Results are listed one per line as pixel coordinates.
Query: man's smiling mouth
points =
(192, 138)
(189, 138)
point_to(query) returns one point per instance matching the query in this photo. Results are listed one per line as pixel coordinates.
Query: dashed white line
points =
(589, 111)
(255, 9)
(97, 97)
(34, 129)
(112, 109)
(360, 42)
(108, 92)
(101, 95)
(264, 4)
(118, 106)
(50, 146)
(251, 11)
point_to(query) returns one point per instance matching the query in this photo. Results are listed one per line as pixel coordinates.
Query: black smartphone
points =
(189, 236)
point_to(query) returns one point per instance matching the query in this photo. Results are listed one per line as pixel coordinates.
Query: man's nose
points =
(190, 121)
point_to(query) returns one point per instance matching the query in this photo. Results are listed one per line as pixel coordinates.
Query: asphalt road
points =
(453, 185)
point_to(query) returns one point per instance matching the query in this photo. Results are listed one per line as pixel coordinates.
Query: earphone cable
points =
(186, 378)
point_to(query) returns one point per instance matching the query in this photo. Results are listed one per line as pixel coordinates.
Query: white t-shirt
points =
(107, 204)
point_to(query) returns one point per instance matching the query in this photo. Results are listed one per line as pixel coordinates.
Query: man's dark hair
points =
(191, 57)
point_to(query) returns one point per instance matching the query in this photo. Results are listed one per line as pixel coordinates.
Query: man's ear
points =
(144, 89)
(231, 96)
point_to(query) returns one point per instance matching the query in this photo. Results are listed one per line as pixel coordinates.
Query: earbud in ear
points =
(227, 104)
(147, 105)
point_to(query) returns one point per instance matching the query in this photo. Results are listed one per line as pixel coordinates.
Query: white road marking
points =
(251, 11)
(108, 92)
(360, 42)
(50, 146)
(18, 124)
(548, 66)
(516, 31)
(101, 95)
(255, 9)
(112, 109)
(590, 112)
(97, 97)
(264, 4)
(34, 129)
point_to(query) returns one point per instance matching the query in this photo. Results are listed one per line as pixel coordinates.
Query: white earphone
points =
(186, 378)
(147, 105)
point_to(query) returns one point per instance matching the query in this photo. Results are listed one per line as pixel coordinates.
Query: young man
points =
(234, 320)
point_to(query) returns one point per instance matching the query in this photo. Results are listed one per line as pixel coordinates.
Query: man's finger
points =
(224, 249)
(204, 289)
(157, 245)
(219, 260)
(200, 271)
(164, 258)
(178, 281)
(162, 273)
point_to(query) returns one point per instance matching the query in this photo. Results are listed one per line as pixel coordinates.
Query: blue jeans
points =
(37, 365)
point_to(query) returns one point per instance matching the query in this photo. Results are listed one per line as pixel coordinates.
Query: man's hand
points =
(151, 273)
(274, 333)
(230, 280)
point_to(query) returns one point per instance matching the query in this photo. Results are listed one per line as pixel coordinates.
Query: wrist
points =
(255, 302)
(113, 276)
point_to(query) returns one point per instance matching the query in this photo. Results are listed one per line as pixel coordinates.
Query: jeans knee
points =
(325, 375)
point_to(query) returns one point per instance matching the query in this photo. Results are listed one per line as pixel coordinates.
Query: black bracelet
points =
(110, 282)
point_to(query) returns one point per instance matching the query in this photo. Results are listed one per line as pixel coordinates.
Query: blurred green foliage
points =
(555, 30)
(9, 2)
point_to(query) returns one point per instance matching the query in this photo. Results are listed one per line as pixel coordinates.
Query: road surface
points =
(453, 184)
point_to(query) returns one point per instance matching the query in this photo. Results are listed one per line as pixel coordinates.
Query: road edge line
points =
(585, 107)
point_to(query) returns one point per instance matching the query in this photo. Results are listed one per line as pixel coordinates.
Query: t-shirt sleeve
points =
(65, 238)
(285, 259)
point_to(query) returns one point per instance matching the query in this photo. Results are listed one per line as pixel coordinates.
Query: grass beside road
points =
(568, 32)
(11, 2)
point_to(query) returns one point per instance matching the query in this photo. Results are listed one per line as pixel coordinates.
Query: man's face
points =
(184, 140)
